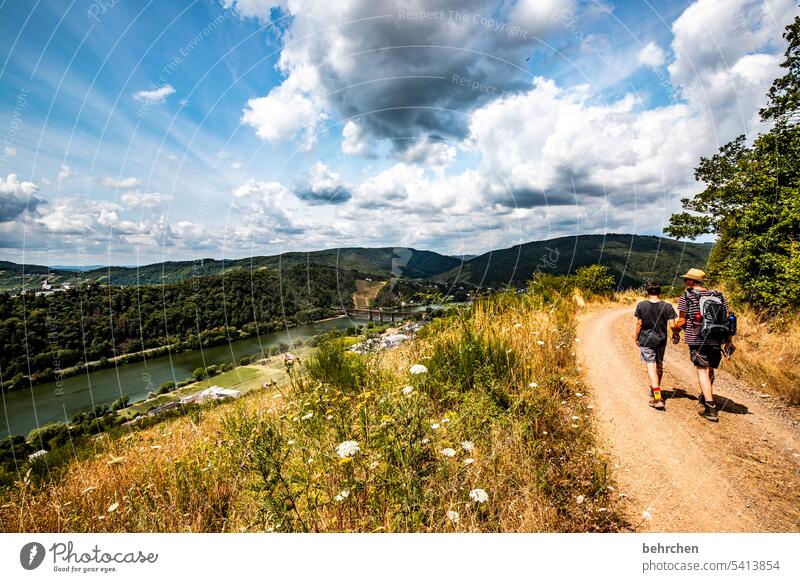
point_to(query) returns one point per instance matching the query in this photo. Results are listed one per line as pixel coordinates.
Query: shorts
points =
(705, 356)
(653, 355)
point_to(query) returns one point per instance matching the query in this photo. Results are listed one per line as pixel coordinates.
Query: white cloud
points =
(250, 8)
(78, 216)
(322, 186)
(121, 183)
(17, 197)
(10, 151)
(292, 109)
(64, 173)
(354, 142)
(154, 96)
(652, 55)
(266, 192)
(434, 154)
(138, 199)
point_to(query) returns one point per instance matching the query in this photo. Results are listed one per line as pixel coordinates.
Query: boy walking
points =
(652, 318)
(705, 315)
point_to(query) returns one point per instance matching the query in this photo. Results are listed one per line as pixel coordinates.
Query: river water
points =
(23, 410)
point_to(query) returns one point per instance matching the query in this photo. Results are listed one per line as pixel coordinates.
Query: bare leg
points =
(660, 371)
(705, 376)
(653, 374)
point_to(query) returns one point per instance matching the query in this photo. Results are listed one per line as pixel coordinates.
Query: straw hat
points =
(695, 275)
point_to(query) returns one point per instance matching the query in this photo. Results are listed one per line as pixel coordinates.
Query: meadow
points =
(480, 424)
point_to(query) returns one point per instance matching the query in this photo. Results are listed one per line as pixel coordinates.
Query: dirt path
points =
(690, 475)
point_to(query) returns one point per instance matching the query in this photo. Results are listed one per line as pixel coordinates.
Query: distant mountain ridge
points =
(630, 258)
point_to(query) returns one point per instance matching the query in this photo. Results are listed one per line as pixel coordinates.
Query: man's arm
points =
(637, 331)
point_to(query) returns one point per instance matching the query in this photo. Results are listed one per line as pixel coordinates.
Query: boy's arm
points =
(637, 331)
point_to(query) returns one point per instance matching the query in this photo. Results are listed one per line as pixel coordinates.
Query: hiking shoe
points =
(658, 404)
(710, 413)
(702, 399)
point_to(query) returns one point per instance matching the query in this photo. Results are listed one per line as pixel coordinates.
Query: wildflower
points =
(435, 425)
(469, 461)
(408, 390)
(479, 496)
(579, 499)
(329, 417)
(113, 507)
(445, 420)
(533, 385)
(425, 441)
(307, 416)
(345, 460)
(601, 509)
(647, 515)
(540, 342)
(578, 394)
(290, 442)
(453, 516)
(467, 445)
(517, 325)
(343, 494)
(156, 447)
(418, 369)
(576, 418)
(347, 449)
(448, 452)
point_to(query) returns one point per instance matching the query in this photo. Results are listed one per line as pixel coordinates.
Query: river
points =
(24, 410)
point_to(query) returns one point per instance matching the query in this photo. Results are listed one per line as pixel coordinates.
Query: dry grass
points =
(768, 354)
(502, 377)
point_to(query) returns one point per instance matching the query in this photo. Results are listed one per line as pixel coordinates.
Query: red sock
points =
(657, 392)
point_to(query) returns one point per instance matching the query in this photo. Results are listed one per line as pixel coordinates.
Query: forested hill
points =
(100, 321)
(376, 262)
(631, 259)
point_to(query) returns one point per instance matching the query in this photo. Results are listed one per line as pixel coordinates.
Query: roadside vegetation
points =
(480, 424)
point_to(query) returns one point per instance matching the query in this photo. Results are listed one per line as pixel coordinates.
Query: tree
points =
(752, 201)
(595, 279)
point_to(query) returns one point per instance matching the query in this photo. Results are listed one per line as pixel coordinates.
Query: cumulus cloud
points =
(434, 154)
(354, 142)
(154, 96)
(78, 216)
(120, 183)
(322, 186)
(17, 197)
(138, 199)
(652, 55)
(378, 63)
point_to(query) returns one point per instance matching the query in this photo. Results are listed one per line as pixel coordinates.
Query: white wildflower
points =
(479, 496)
(647, 515)
(578, 394)
(517, 325)
(425, 441)
(469, 461)
(418, 369)
(329, 417)
(347, 449)
(576, 418)
(540, 342)
(453, 516)
(467, 445)
(408, 390)
(448, 452)
(435, 425)
(533, 385)
(445, 420)
(113, 507)
(307, 416)
(290, 442)
(579, 499)
(343, 494)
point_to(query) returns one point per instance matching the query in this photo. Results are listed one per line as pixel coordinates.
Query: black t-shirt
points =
(654, 318)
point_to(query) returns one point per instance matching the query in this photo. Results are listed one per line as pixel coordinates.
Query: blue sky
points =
(134, 132)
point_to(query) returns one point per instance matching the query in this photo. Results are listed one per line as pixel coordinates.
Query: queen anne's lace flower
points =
(418, 369)
(479, 496)
(448, 452)
(347, 449)
(344, 494)
(453, 516)
(467, 445)
(408, 390)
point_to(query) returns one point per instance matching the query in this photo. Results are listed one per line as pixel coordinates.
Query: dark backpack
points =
(712, 317)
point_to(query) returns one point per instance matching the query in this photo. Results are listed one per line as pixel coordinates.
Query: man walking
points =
(652, 318)
(704, 314)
